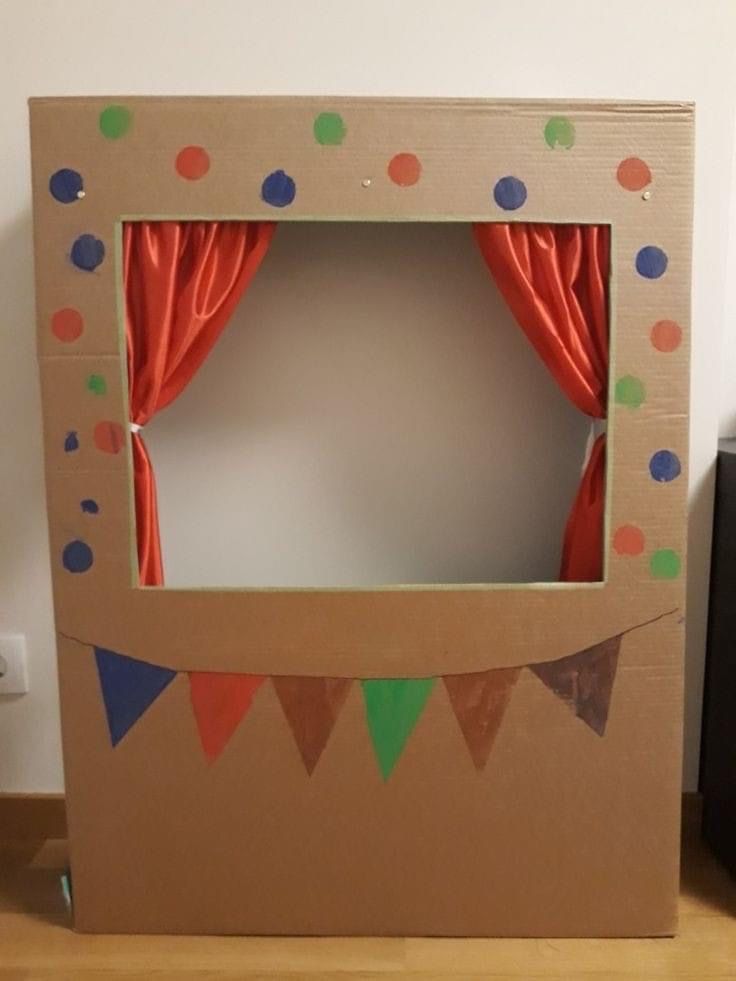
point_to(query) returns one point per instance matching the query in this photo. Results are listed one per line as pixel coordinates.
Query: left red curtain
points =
(182, 281)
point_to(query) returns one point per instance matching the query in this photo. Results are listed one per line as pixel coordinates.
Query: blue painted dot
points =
(665, 466)
(278, 189)
(71, 442)
(87, 252)
(651, 262)
(77, 556)
(509, 193)
(89, 506)
(65, 185)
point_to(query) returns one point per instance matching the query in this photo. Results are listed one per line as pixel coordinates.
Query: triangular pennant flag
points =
(311, 707)
(584, 680)
(479, 702)
(219, 701)
(393, 708)
(129, 687)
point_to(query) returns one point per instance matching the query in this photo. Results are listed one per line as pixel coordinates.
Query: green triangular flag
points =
(392, 708)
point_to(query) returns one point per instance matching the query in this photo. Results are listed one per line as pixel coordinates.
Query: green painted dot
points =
(559, 131)
(115, 121)
(329, 129)
(97, 385)
(630, 391)
(665, 564)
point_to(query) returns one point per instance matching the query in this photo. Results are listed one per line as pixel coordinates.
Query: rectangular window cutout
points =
(372, 415)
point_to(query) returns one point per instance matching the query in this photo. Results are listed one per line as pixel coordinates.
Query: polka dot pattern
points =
(97, 385)
(329, 129)
(404, 169)
(651, 262)
(559, 132)
(66, 186)
(192, 163)
(67, 325)
(77, 556)
(664, 466)
(633, 174)
(628, 540)
(509, 193)
(109, 437)
(278, 189)
(115, 121)
(665, 564)
(629, 391)
(87, 253)
(666, 336)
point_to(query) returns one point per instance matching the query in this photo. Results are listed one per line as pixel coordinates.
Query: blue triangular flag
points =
(128, 688)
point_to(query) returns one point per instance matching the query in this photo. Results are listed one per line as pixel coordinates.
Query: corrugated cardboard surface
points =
(564, 832)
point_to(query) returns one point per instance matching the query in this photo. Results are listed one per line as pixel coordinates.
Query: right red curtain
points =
(555, 280)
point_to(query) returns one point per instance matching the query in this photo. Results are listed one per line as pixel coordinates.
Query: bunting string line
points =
(584, 680)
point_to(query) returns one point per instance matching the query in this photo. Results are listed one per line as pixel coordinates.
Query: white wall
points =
(664, 49)
(728, 361)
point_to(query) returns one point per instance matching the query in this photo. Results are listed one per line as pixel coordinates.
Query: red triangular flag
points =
(219, 702)
(585, 681)
(311, 707)
(479, 701)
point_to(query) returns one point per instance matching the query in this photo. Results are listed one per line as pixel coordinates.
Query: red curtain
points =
(555, 281)
(182, 281)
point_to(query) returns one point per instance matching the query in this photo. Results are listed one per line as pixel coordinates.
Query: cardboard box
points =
(550, 808)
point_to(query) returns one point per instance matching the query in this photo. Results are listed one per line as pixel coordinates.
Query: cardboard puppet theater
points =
(481, 759)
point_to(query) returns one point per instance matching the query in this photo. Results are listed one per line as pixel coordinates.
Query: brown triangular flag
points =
(584, 680)
(311, 707)
(479, 702)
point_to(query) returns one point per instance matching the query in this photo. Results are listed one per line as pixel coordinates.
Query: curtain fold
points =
(554, 279)
(182, 281)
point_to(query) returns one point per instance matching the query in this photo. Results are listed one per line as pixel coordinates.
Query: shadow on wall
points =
(371, 415)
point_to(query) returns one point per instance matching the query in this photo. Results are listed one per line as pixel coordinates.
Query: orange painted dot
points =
(192, 162)
(404, 169)
(109, 436)
(666, 335)
(67, 325)
(633, 174)
(628, 540)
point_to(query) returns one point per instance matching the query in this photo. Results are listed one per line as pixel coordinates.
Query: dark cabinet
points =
(718, 752)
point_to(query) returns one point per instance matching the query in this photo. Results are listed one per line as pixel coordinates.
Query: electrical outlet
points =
(13, 665)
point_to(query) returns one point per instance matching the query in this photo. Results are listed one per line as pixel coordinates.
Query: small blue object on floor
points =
(66, 888)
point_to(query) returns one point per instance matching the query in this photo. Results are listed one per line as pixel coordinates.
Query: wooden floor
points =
(36, 941)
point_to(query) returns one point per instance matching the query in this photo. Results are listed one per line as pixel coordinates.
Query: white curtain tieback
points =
(597, 428)
(135, 428)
